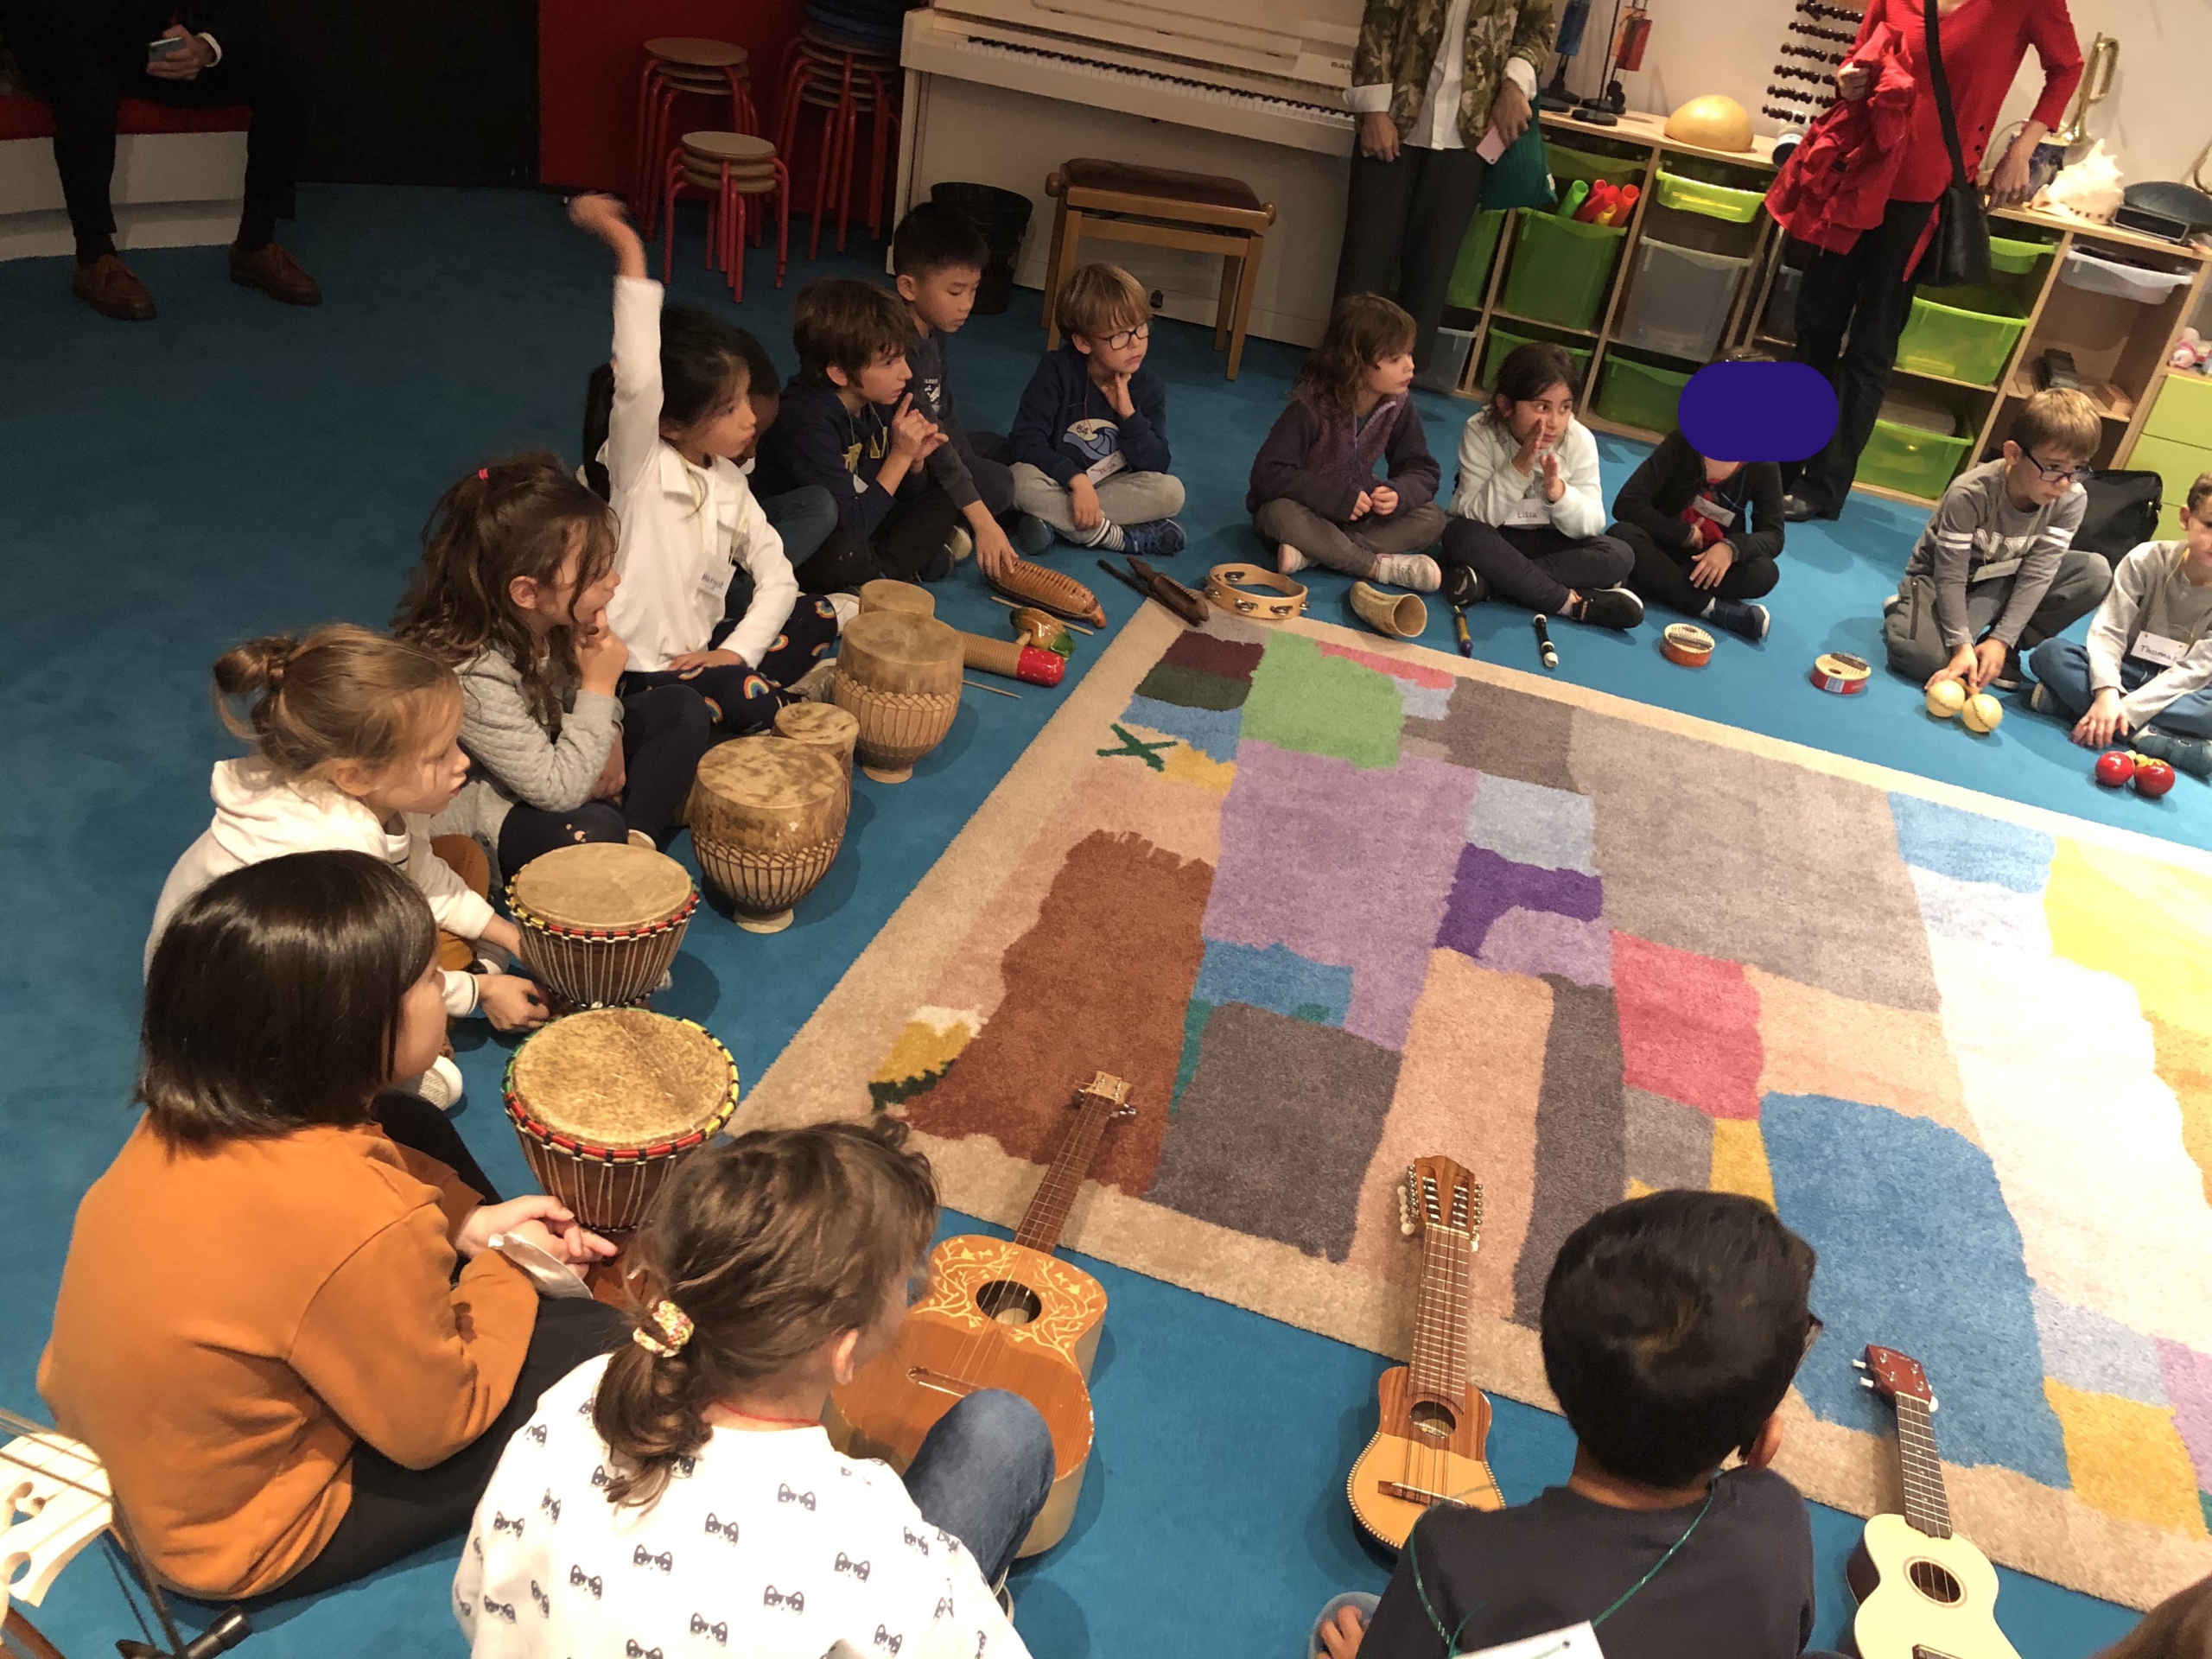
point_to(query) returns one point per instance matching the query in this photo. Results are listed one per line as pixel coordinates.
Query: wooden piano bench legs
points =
(1200, 213)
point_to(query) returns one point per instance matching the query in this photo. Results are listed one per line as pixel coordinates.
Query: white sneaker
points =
(813, 686)
(440, 1085)
(639, 838)
(1289, 561)
(1414, 570)
(960, 544)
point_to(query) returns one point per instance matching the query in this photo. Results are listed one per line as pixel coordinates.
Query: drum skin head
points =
(622, 1077)
(601, 888)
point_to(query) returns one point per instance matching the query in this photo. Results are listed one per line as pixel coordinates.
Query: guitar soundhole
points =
(1435, 1421)
(1008, 1302)
(1935, 1583)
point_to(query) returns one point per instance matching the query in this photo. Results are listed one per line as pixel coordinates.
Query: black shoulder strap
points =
(1943, 96)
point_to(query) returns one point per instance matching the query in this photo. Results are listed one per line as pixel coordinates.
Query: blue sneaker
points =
(1156, 538)
(1031, 536)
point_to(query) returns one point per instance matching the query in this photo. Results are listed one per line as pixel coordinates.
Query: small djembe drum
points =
(821, 726)
(768, 817)
(898, 676)
(601, 924)
(885, 594)
(607, 1103)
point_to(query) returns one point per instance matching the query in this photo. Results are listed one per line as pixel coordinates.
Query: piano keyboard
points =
(1205, 92)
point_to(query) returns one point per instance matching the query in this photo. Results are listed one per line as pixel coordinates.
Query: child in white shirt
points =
(2149, 654)
(681, 1495)
(1528, 514)
(676, 411)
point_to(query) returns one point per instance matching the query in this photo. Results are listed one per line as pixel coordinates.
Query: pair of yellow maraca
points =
(1980, 714)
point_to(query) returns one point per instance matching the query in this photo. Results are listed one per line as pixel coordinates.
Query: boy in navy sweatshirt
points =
(1090, 440)
(848, 425)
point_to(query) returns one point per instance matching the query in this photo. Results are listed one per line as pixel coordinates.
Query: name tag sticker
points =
(1575, 1642)
(2157, 648)
(1099, 471)
(1993, 569)
(1711, 509)
(714, 581)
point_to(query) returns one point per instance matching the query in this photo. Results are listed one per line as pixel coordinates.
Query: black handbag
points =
(1958, 253)
(2121, 513)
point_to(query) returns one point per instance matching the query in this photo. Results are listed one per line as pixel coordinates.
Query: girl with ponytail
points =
(355, 747)
(518, 566)
(684, 1485)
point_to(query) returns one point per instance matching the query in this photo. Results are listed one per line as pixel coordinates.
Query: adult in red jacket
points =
(1863, 187)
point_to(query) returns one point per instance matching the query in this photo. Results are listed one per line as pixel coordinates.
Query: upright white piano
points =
(1001, 92)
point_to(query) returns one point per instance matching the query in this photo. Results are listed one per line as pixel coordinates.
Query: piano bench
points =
(1199, 212)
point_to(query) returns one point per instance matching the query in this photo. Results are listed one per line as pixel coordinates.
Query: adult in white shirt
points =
(1430, 78)
(681, 1495)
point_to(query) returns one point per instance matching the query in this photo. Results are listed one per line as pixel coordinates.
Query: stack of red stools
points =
(677, 67)
(842, 80)
(731, 169)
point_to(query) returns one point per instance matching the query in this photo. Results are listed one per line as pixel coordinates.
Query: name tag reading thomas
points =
(2158, 649)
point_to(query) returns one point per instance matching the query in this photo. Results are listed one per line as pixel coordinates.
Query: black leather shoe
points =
(1795, 509)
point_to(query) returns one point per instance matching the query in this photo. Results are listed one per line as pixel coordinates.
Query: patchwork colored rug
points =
(1330, 904)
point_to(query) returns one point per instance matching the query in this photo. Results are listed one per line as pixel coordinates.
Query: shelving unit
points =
(2119, 345)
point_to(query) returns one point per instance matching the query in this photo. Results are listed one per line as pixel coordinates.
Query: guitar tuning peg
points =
(1857, 1364)
(1865, 1381)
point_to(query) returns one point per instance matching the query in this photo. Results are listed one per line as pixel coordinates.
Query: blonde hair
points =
(2064, 421)
(343, 693)
(1099, 299)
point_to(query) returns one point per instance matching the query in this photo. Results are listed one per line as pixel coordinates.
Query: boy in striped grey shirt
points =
(1995, 573)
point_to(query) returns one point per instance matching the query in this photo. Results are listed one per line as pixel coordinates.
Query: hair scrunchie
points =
(675, 1327)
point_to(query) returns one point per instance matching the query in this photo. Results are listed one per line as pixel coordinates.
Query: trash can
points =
(1003, 217)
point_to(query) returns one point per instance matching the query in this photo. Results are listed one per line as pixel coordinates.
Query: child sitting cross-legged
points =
(1090, 440)
(1527, 515)
(1314, 494)
(1995, 572)
(1672, 1326)
(2148, 659)
(1705, 533)
(681, 1495)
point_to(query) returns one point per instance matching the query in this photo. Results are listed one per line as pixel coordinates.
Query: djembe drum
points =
(821, 726)
(767, 817)
(607, 1103)
(601, 924)
(898, 676)
(885, 594)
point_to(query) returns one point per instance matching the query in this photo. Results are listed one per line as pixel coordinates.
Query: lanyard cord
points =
(1452, 1636)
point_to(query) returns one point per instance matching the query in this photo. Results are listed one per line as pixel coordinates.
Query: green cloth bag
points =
(1521, 177)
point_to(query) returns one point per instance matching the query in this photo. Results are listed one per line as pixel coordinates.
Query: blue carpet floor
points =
(234, 468)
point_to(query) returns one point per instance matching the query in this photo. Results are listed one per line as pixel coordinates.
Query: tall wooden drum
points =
(821, 726)
(768, 817)
(898, 676)
(607, 1103)
(885, 594)
(601, 924)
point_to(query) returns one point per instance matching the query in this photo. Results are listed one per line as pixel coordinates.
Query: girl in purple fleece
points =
(1315, 497)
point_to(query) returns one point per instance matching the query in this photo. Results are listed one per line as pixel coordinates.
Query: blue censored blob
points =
(1757, 411)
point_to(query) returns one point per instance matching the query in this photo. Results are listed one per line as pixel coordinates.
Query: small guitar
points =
(1924, 1592)
(1428, 1448)
(998, 1315)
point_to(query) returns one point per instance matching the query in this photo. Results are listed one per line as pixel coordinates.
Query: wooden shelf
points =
(1499, 313)
(2089, 230)
(2112, 402)
(1599, 423)
(1942, 379)
(1648, 132)
(1888, 494)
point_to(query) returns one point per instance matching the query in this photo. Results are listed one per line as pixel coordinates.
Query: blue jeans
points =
(983, 1474)
(2063, 668)
(804, 518)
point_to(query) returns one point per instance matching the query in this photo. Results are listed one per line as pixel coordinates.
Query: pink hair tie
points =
(483, 473)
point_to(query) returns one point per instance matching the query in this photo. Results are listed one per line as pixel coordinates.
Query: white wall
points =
(2156, 120)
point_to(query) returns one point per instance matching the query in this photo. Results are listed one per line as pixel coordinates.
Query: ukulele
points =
(1427, 1448)
(998, 1315)
(1924, 1592)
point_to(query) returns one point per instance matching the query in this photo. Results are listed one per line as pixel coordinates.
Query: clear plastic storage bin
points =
(2085, 270)
(1679, 299)
(1780, 322)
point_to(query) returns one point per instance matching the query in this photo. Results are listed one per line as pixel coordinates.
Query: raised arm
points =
(633, 426)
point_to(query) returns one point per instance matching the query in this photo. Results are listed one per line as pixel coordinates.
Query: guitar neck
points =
(1438, 1365)
(1927, 1508)
(1047, 1215)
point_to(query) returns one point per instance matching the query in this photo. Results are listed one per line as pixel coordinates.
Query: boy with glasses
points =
(1090, 440)
(1995, 572)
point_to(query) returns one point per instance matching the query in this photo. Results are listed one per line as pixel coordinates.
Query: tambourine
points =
(1283, 599)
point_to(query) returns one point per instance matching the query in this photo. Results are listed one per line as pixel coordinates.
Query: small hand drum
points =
(601, 924)
(607, 1103)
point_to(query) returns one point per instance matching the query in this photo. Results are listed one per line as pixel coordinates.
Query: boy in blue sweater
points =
(1090, 440)
(848, 425)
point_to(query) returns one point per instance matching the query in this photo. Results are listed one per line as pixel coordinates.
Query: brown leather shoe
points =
(276, 274)
(112, 288)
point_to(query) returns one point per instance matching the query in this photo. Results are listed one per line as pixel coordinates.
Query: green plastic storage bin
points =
(1565, 165)
(1470, 276)
(1503, 340)
(1967, 334)
(1639, 394)
(1561, 268)
(1714, 200)
(1911, 458)
(2015, 258)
